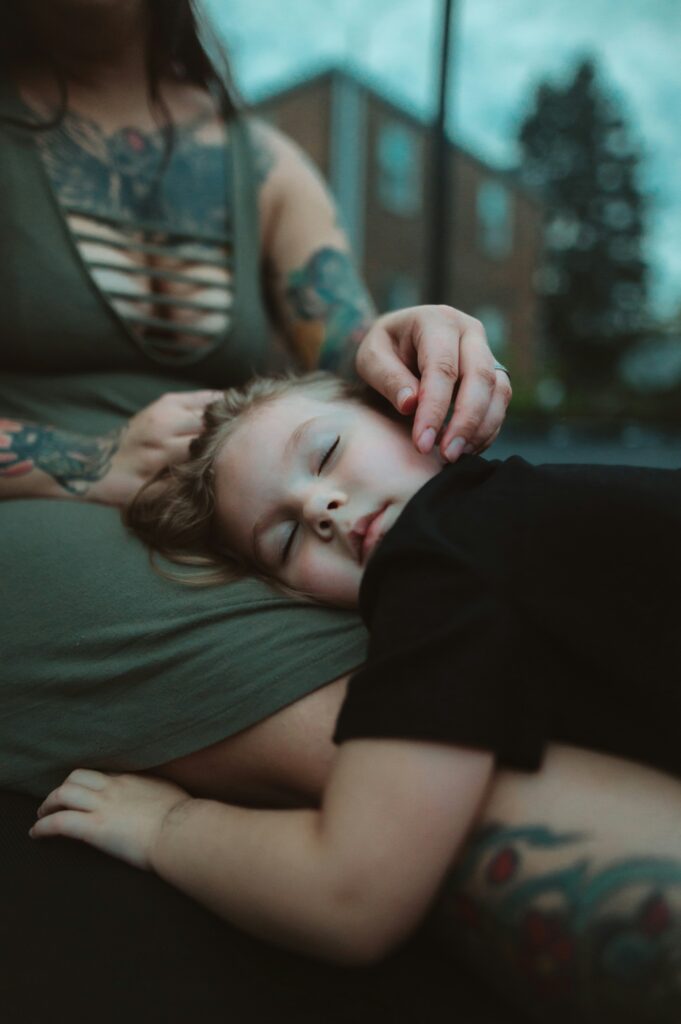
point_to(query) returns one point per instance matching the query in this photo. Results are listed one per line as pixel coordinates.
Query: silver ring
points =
(500, 366)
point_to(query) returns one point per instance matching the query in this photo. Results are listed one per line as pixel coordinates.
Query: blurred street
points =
(625, 445)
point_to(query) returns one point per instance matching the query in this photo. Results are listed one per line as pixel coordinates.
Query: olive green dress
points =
(105, 663)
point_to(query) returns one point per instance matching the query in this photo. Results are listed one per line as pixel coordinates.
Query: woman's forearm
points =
(38, 461)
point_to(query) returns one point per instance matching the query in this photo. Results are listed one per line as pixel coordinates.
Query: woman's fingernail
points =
(454, 449)
(426, 440)
(403, 396)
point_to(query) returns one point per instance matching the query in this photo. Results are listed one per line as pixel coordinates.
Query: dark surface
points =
(84, 938)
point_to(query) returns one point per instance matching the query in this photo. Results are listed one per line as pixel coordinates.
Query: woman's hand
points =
(121, 815)
(424, 358)
(157, 436)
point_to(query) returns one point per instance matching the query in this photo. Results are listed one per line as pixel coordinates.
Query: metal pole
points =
(440, 256)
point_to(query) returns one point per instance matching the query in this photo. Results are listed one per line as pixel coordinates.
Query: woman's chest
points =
(149, 211)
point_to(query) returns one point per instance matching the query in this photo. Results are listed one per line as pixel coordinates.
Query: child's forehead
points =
(289, 411)
(275, 421)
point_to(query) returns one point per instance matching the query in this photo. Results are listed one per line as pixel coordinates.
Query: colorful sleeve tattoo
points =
(327, 309)
(72, 460)
(323, 306)
(577, 942)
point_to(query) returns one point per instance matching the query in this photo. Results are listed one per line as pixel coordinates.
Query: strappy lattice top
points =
(153, 229)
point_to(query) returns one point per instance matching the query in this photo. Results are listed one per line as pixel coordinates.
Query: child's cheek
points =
(328, 578)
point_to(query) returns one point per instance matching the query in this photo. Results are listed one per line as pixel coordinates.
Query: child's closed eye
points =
(286, 550)
(327, 455)
(291, 536)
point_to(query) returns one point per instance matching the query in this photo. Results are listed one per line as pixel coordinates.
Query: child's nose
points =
(321, 510)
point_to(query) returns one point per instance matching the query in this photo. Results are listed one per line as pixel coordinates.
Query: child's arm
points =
(345, 883)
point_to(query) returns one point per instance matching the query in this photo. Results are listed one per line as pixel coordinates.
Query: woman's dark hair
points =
(181, 42)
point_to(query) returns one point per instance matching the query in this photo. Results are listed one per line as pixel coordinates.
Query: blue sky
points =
(503, 48)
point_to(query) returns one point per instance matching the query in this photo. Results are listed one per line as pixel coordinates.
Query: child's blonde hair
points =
(174, 514)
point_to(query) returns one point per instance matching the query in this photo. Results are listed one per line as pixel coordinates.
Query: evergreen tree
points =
(578, 152)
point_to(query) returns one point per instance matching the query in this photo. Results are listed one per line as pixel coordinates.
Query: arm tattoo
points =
(327, 296)
(573, 941)
(73, 460)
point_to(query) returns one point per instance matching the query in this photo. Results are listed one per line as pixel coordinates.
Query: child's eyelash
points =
(287, 545)
(292, 535)
(328, 454)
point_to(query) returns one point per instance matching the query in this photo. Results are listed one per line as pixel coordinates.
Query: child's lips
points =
(366, 533)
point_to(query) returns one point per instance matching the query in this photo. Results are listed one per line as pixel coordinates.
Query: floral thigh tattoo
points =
(576, 943)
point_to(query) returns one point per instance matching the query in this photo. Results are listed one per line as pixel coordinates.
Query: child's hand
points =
(119, 814)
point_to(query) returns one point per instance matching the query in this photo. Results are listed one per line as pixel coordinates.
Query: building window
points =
(495, 220)
(400, 292)
(496, 326)
(399, 169)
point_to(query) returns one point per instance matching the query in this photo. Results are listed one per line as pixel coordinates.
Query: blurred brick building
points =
(376, 157)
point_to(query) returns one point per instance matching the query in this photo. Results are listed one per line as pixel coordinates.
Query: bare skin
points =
(284, 760)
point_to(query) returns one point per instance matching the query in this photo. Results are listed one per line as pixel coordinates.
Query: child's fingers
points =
(69, 795)
(67, 824)
(88, 777)
(62, 797)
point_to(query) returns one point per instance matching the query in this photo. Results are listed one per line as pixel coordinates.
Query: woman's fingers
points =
(453, 364)
(176, 449)
(198, 399)
(193, 405)
(470, 411)
(490, 427)
(383, 368)
(482, 400)
(476, 428)
(188, 423)
(438, 351)
(490, 436)
(182, 412)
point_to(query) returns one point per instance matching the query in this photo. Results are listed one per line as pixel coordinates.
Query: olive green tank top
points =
(104, 663)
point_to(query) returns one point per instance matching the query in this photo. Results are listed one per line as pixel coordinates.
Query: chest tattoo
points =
(126, 175)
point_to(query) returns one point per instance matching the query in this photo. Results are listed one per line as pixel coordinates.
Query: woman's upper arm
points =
(319, 299)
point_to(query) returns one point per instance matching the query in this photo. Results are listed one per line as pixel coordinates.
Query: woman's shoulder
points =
(287, 179)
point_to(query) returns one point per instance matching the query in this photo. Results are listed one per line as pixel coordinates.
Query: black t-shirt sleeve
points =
(444, 660)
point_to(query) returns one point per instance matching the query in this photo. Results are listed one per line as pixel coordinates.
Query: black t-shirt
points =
(514, 604)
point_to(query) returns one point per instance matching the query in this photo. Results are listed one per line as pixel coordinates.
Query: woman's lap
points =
(107, 663)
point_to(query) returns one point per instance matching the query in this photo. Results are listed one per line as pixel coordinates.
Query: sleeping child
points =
(509, 607)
